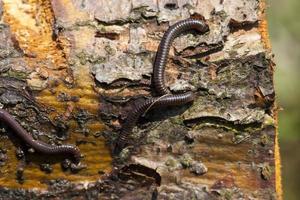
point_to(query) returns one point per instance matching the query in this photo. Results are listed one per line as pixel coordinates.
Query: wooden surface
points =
(71, 70)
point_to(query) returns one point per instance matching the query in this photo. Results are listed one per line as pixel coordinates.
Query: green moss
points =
(269, 121)
(90, 23)
(17, 74)
(178, 120)
(228, 195)
(264, 139)
(110, 50)
(219, 126)
(186, 160)
(266, 171)
(82, 57)
(124, 155)
(3, 26)
(78, 24)
(171, 162)
(85, 58)
(239, 138)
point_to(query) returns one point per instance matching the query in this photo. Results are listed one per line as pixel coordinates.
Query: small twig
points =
(154, 103)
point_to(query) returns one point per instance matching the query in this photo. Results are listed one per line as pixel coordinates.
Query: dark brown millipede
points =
(37, 145)
(156, 102)
(164, 48)
(166, 99)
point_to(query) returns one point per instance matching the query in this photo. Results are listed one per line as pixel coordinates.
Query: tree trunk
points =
(71, 71)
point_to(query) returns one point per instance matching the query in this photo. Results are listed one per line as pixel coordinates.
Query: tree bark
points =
(71, 71)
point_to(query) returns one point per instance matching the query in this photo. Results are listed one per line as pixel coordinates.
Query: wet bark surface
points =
(71, 70)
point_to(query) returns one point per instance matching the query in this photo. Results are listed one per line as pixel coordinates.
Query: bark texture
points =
(71, 70)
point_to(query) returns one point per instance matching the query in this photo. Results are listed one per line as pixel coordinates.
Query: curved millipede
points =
(158, 80)
(164, 48)
(39, 146)
(140, 109)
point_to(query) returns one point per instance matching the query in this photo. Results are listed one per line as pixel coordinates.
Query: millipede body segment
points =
(37, 145)
(151, 103)
(166, 99)
(164, 48)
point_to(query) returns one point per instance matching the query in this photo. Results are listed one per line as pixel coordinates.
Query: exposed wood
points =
(72, 69)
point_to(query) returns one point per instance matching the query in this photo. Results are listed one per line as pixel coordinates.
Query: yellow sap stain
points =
(31, 24)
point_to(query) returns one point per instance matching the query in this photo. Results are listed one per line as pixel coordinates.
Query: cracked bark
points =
(70, 70)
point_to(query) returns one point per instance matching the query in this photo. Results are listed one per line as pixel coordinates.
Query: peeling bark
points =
(71, 70)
